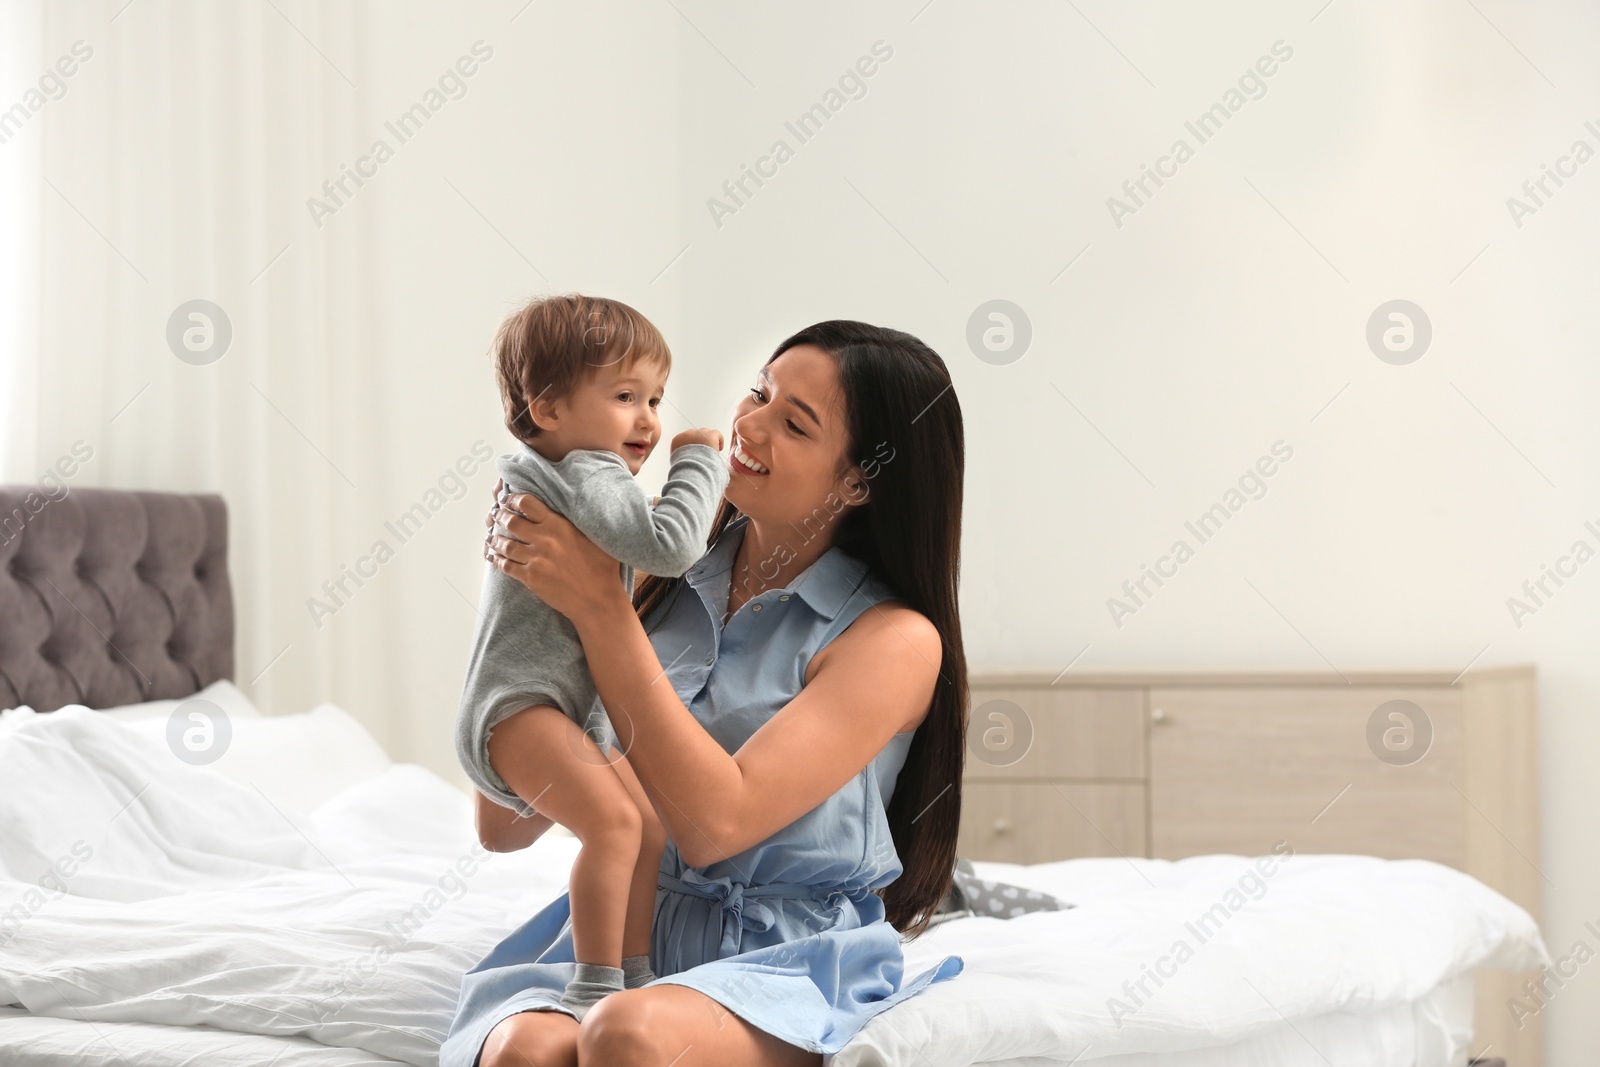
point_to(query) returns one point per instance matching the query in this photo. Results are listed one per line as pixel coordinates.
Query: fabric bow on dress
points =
(742, 907)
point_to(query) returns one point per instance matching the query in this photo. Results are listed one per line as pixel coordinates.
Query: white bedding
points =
(39, 1041)
(1320, 935)
(193, 899)
(1425, 1033)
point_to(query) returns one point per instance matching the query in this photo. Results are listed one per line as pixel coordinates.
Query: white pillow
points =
(297, 761)
(223, 693)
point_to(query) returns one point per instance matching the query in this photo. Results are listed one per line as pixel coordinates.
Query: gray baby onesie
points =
(524, 652)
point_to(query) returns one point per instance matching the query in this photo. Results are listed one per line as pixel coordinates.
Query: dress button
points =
(755, 607)
(784, 597)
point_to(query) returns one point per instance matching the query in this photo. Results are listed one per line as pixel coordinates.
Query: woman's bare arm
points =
(870, 682)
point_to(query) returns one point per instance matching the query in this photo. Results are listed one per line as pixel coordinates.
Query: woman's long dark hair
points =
(897, 390)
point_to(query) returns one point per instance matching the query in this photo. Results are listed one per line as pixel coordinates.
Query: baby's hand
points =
(702, 436)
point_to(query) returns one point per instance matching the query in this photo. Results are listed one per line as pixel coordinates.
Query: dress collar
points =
(826, 586)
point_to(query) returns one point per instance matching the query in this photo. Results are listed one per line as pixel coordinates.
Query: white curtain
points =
(21, 141)
(354, 404)
(174, 168)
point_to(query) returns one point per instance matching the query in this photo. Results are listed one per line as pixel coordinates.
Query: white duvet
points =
(134, 887)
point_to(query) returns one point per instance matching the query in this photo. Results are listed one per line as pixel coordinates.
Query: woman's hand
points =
(551, 556)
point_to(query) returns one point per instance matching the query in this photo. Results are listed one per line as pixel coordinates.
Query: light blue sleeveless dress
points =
(785, 934)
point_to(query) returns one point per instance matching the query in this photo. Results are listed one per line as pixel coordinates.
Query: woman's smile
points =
(741, 461)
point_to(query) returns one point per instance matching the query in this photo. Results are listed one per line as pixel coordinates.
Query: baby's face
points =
(616, 411)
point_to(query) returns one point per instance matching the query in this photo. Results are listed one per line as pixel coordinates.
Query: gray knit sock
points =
(636, 971)
(592, 983)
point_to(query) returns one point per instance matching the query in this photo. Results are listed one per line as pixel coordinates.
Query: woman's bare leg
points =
(675, 1026)
(646, 873)
(548, 761)
(532, 1039)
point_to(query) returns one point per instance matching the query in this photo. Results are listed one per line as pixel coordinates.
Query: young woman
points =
(794, 708)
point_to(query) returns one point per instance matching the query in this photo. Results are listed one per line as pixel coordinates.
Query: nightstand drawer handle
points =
(1001, 825)
(1158, 716)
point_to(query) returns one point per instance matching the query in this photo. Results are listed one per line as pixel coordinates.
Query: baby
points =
(581, 378)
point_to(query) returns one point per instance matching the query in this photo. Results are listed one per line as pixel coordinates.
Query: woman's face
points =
(791, 423)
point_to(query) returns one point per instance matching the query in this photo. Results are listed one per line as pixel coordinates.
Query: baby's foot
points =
(592, 984)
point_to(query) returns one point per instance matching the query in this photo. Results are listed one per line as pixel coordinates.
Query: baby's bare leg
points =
(503, 830)
(537, 752)
(653, 840)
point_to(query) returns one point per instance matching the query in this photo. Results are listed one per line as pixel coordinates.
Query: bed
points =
(300, 899)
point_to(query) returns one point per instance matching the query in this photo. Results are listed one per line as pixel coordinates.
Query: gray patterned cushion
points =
(973, 896)
(1001, 901)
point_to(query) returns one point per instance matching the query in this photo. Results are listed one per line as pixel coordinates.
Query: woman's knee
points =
(532, 1039)
(623, 1031)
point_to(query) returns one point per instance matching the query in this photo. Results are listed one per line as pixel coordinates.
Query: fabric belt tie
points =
(741, 904)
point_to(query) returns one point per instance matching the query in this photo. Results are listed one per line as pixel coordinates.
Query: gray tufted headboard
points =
(109, 596)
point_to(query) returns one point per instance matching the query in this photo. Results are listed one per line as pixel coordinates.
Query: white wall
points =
(1226, 314)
